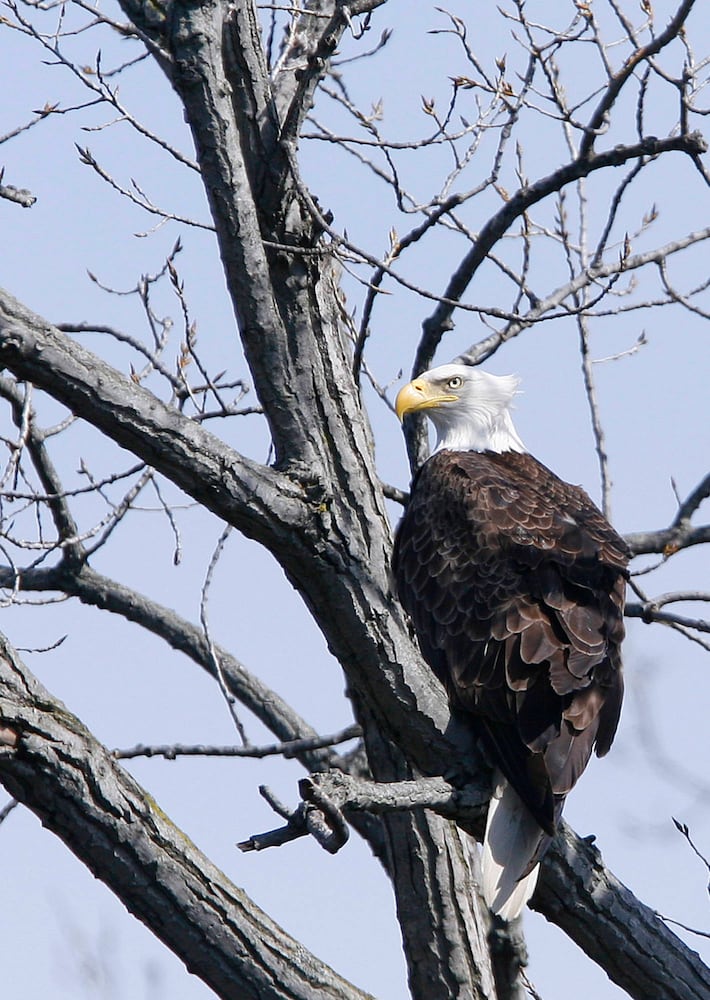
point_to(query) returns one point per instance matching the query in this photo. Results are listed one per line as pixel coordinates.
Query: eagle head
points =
(470, 408)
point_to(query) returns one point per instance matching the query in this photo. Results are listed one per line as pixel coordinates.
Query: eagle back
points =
(515, 584)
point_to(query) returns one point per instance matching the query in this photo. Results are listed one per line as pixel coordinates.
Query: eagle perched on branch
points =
(515, 584)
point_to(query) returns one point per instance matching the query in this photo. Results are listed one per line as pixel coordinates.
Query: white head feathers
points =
(470, 408)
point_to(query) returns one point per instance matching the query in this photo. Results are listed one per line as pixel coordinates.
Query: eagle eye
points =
(455, 382)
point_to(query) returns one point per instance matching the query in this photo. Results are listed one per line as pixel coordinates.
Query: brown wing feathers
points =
(515, 584)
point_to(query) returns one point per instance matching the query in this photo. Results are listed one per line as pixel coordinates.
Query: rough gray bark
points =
(51, 763)
(631, 943)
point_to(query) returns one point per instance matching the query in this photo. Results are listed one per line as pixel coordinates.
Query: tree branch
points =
(53, 765)
(315, 537)
(287, 749)
(99, 591)
(354, 794)
(21, 196)
(592, 275)
(626, 938)
(649, 612)
(576, 891)
(617, 82)
(524, 198)
(247, 181)
(667, 541)
(335, 791)
(306, 58)
(64, 522)
(253, 498)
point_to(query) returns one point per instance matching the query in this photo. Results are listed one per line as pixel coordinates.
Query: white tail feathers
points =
(512, 837)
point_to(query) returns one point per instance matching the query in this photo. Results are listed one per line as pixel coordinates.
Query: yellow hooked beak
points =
(420, 395)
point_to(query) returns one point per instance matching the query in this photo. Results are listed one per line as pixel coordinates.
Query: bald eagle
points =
(515, 584)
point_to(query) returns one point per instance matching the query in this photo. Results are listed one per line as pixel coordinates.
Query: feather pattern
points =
(515, 584)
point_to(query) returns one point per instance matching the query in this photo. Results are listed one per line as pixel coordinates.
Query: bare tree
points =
(532, 234)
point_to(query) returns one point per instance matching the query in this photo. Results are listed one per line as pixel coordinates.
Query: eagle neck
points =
(497, 435)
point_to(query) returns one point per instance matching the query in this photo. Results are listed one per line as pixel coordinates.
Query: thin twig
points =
(288, 749)
(214, 656)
